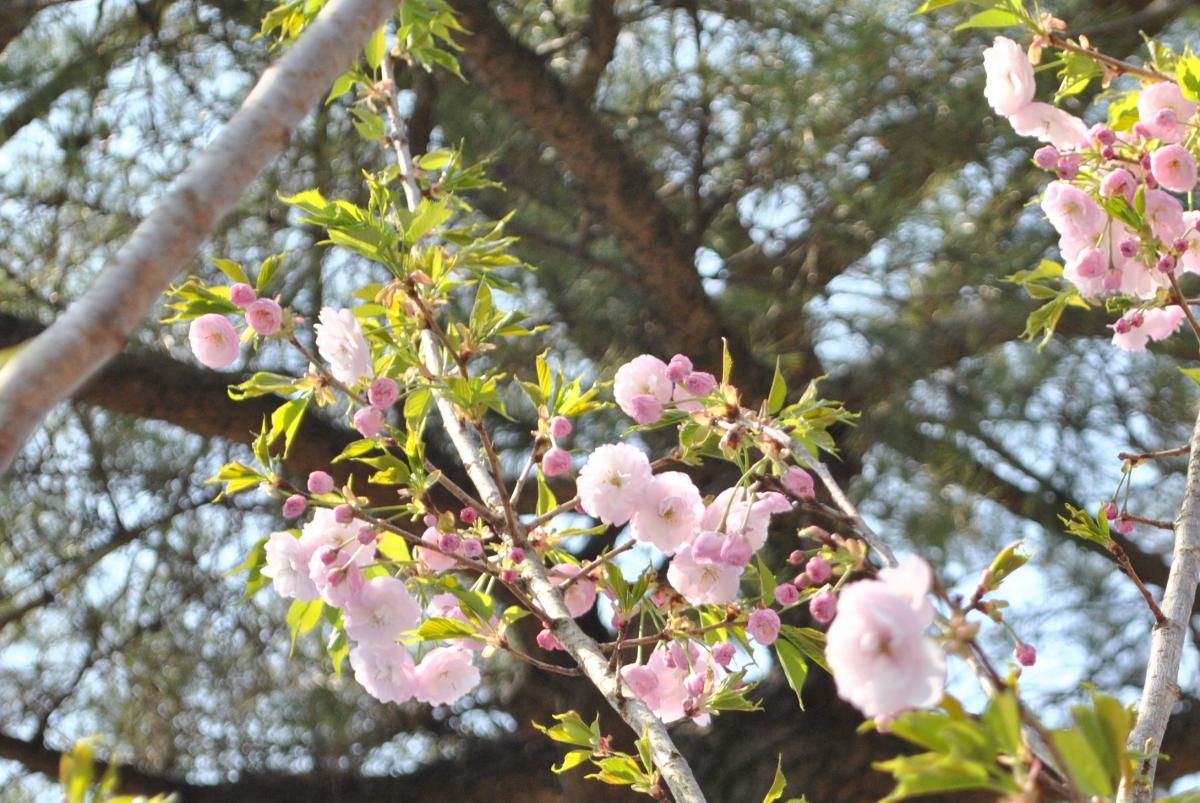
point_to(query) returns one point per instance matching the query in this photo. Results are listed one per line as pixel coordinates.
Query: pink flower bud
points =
(1123, 526)
(802, 581)
(319, 482)
(694, 684)
(265, 316)
(735, 551)
(1103, 134)
(242, 295)
(508, 576)
(328, 555)
(1180, 245)
(1046, 157)
(468, 515)
(1128, 248)
(560, 427)
(1142, 131)
(294, 506)
(799, 482)
(645, 409)
(516, 555)
(818, 569)
(383, 393)
(700, 383)
(366, 536)
(1108, 152)
(449, 542)
(472, 548)
(1166, 263)
(556, 462)
(1110, 511)
(678, 368)
(1068, 166)
(1025, 654)
(548, 641)
(796, 557)
(786, 594)
(369, 421)
(343, 514)
(430, 520)
(723, 653)
(763, 626)
(823, 607)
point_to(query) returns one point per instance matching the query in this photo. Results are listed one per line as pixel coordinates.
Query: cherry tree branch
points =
(53, 365)
(1166, 644)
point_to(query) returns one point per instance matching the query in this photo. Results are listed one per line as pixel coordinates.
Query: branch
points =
(94, 328)
(616, 183)
(603, 28)
(1166, 644)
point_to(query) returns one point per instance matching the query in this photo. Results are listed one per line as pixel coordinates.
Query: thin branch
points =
(1166, 643)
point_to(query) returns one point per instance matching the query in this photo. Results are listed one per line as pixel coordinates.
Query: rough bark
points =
(617, 183)
(1161, 689)
(94, 328)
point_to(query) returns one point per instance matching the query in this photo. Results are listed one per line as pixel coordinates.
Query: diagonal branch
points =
(617, 183)
(603, 28)
(94, 328)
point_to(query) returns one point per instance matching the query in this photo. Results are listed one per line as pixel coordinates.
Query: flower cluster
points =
(645, 386)
(1122, 230)
(213, 338)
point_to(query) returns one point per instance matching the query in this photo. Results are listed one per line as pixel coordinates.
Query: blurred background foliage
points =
(816, 180)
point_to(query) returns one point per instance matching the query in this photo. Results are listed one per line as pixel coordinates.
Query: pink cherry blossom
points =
(335, 575)
(287, 566)
(445, 675)
(385, 670)
(703, 583)
(383, 393)
(663, 681)
(1119, 182)
(581, 595)
(877, 648)
(1189, 260)
(763, 626)
(642, 376)
(265, 316)
(1164, 213)
(381, 612)
(341, 577)
(369, 421)
(242, 295)
(556, 462)
(1050, 124)
(799, 482)
(341, 343)
(1010, 83)
(645, 409)
(1072, 211)
(668, 514)
(214, 341)
(1159, 96)
(1174, 168)
(730, 513)
(612, 482)
(434, 561)
(320, 482)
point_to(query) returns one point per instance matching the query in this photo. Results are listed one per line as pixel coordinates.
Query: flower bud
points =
(798, 482)
(548, 641)
(796, 557)
(343, 514)
(1110, 510)
(818, 569)
(369, 421)
(763, 626)
(1128, 247)
(678, 368)
(516, 555)
(1025, 654)
(366, 535)
(645, 409)
(560, 427)
(786, 594)
(242, 295)
(700, 383)
(1046, 157)
(723, 653)
(823, 607)
(472, 548)
(449, 542)
(508, 576)
(265, 316)
(1166, 263)
(468, 515)
(557, 461)
(319, 482)
(1123, 526)
(383, 393)
(802, 580)
(294, 506)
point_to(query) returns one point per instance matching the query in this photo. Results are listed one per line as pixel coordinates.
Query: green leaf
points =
(1192, 374)
(726, 362)
(1123, 112)
(302, 617)
(232, 269)
(376, 48)
(928, 774)
(440, 629)
(262, 383)
(546, 500)
(286, 421)
(266, 272)
(778, 785)
(1085, 766)
(237, 477)
(570, 729)
(934, 5)
(1187, 73)
(344, 83)
(572, 759)
(794, 667)
(991, 18)
(809, 640)
(778, 394)
(766, 581)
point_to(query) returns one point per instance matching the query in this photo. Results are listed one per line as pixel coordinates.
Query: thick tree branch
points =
(603, 28)
(1166, 643)
(617, 183)
(93, 329)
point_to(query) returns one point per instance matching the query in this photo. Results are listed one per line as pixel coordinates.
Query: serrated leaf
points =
(794, 667)
(991, 18)
(778, 395)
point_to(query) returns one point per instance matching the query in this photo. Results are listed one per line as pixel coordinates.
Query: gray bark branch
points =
(52, 366)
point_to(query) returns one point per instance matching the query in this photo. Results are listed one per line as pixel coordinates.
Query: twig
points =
(1116, 65)
(587, 568)
(1127, 567)
(565, 507)
(1187, 310)
(1139, 457)
(1162, 525)
(1166, 643)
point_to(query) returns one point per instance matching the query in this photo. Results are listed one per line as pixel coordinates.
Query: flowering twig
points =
(1127, 567)
(1116, 65)
(1166, 643)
